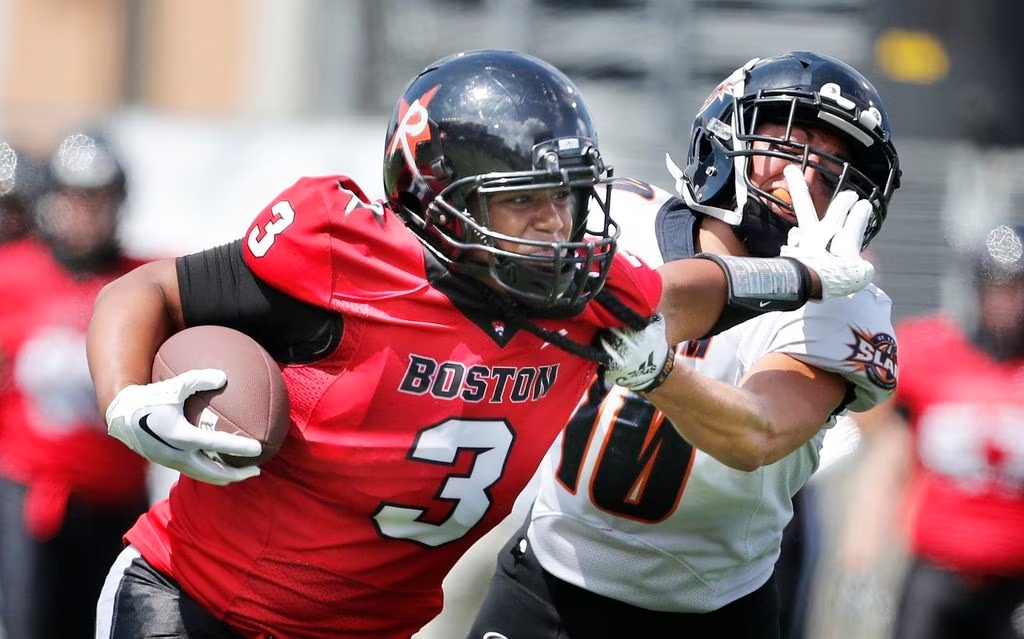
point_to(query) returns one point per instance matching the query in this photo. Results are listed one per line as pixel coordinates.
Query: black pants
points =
(524, 601)
(49, 588)
(940, 604)
(144, 604)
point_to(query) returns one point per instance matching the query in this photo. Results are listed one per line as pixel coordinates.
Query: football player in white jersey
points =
(661, 506)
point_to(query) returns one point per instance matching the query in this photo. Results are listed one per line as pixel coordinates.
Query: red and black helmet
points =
(489, 121)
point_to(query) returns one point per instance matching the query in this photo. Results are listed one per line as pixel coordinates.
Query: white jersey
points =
(628, 509)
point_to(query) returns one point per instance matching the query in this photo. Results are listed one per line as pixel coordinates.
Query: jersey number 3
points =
(261, 239)
(491, 441)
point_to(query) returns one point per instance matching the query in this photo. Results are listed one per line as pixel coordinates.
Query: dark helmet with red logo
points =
(795, 88)
(485, 122)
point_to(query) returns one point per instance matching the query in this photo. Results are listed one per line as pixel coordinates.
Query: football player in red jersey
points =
(433, 345)
(67, 492)
(953, 438)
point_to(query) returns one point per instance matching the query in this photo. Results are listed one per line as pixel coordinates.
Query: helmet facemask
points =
(791, 109)
(564, 274)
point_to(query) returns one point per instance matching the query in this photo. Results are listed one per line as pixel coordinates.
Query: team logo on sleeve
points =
(875, 354)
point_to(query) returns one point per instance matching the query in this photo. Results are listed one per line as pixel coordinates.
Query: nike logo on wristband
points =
(144, 425)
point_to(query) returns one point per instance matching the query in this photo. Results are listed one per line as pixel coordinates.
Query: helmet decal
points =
(729, 87)
(1004, 245)
(413, 128)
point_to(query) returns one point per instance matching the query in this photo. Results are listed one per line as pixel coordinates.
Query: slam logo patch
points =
(875, 354)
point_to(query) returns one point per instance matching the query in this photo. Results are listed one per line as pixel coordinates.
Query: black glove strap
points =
(666, 370)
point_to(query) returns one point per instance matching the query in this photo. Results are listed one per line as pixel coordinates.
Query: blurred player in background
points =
(950, 444)
(433, 345)
(663, 509)
(21, 179)
(67, 491)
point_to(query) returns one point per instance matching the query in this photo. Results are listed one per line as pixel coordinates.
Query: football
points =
(253, 402)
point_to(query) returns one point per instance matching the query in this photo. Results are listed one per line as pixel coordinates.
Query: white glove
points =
(829, 246)
(638, 360)
(150, 420)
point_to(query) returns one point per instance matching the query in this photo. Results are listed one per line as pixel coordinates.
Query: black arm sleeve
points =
(758, 286)
(217, 287)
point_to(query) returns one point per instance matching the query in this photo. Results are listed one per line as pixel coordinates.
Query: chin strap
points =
(763, 233)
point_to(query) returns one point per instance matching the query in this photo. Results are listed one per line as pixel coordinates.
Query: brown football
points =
(253, 402)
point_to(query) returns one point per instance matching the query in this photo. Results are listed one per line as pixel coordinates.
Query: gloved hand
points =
(150, 420)
(638, 360)
(829, 246)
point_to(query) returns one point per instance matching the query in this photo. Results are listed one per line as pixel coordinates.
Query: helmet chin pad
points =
(535, 285)
(762, 231)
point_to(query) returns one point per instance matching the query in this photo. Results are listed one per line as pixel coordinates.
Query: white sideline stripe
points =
(105, 604)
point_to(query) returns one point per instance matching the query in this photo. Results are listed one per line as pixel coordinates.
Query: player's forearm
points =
(132, 316)
(693, 298)
(719, 419)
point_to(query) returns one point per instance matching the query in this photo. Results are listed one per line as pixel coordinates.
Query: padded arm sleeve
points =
(218, 287)
(759, 285)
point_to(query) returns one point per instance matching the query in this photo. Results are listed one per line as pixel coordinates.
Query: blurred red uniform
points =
(966, 498)
(956, 424)
(67, 490)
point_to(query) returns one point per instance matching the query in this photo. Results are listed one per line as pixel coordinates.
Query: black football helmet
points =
(490, 121)
(798, 87)
(86, 181)
(997, 266)
(22, 181)
(1001, 256)
(87, 162)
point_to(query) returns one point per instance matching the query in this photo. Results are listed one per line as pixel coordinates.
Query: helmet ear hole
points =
(412, 204)
(702, 148)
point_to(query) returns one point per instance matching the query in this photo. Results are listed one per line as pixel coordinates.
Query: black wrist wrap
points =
(666, 370)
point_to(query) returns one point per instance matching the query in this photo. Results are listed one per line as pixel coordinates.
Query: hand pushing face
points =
(823, 148)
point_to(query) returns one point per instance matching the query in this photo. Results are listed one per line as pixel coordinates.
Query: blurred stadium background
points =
(218, 106)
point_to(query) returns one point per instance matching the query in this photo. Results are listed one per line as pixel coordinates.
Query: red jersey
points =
(967, 412)
(53, 439)
(409, 442)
